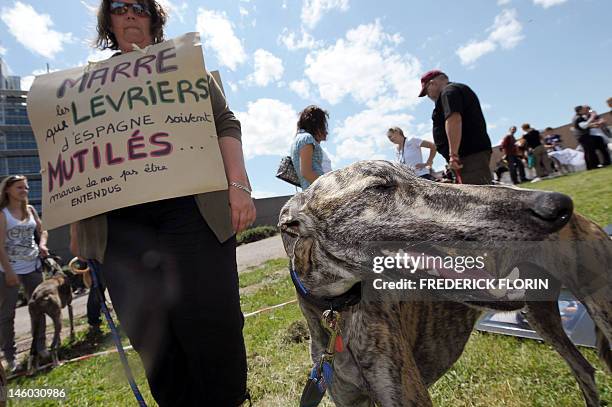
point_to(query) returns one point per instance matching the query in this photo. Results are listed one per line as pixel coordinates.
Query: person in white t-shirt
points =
(19, 260)
(409, 152)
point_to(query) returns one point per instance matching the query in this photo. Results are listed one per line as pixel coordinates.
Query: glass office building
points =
(18, 152)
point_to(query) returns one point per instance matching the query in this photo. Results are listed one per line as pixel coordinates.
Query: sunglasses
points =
(119, 8)
(13, 179)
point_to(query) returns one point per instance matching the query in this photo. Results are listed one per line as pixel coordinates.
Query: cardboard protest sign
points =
(135, 128)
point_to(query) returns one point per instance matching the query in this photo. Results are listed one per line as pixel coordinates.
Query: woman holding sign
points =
(170, 265)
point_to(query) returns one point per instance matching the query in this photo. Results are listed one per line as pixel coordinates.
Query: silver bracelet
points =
(240, 186)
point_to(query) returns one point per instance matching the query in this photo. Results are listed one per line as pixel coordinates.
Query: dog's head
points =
(51, 265)
(326, 229)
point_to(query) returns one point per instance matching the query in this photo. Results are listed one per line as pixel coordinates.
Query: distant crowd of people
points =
(535, 149)
(459, 133)
(460, 136)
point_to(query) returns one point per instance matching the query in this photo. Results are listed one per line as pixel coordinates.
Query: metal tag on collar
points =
(331, 322)
(322, 373)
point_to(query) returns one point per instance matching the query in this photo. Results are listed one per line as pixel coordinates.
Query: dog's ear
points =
(291, 222)
(289, 218)
(301, 256)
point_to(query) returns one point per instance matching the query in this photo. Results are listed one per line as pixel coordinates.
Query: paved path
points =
(256, 253)
(248, 255)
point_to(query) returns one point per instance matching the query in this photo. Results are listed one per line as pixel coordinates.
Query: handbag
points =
(286, 171)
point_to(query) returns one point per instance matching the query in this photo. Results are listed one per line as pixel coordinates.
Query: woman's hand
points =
(243, 209)
(455, 163)
(241, 204)
(10, 278)
(42, 248)
(420, 166)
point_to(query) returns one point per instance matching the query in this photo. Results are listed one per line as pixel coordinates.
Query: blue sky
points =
(528, 60)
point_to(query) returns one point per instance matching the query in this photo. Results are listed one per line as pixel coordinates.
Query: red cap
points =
(426, 78)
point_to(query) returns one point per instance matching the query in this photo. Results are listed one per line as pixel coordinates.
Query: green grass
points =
(590, 190)
(493, 371)
(255, 234)
(257, 275)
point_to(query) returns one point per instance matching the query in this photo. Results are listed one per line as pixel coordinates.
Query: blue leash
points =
(94, 268)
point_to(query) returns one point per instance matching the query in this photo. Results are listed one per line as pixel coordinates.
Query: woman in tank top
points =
(19, 259)
(409, 152)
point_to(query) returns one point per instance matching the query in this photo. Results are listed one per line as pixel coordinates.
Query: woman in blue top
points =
(306, 151)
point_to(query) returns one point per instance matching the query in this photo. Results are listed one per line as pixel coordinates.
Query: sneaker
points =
(11, 366)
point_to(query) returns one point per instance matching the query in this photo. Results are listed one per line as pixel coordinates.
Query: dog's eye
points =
(382, 187)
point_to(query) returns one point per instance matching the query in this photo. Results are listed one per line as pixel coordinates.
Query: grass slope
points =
(590, 190)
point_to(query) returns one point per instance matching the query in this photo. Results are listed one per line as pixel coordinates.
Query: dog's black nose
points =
(553, 208)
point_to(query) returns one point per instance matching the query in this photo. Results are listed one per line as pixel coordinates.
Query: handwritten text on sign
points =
(135, 128)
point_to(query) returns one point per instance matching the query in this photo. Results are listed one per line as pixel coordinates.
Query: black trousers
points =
(94, 308)
(514, 164)
(175, 290)
(590, 145)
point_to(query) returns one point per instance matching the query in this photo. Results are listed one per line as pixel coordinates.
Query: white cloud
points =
(265, 194)
(268, 68)
(472, 51)
(301, 87)
(505, 32)
(292, 42)
(91, 8)
(367, 66)
(243, 11)
(96, 55)
(26, 81)
(363, 135)
(503, 2)
(33, 30)
(174, 9)
(268, 127)
(313, 10)
(2, 50)
(233, 86)
(548, 3)
(218, 34)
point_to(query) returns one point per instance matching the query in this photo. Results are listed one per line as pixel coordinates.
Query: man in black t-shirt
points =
(533, 140)
(583, 123)
(459, 127)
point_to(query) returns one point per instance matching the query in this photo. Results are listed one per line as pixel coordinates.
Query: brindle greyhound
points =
(395, 350)
(49, 298)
